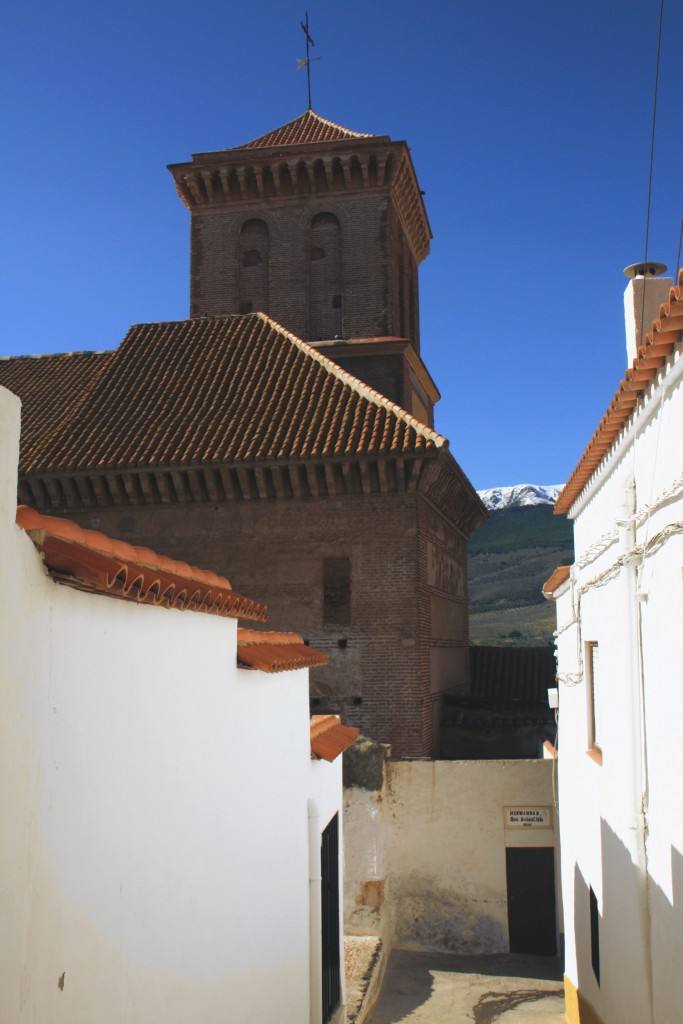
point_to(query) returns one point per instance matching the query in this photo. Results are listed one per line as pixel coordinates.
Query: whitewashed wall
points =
(432, 845)
(447, 886)
(154, 851)
(633, 861)
(366, 862)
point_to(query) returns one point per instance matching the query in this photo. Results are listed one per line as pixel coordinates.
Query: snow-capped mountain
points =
(497, 498)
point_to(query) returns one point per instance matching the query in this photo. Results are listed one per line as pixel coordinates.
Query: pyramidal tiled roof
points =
(304, 130)
(215, 390)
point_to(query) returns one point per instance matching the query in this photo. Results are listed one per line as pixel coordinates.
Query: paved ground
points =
(443, 988)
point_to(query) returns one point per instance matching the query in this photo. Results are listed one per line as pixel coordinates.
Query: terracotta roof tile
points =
(329, 738)
(550, 750)
(49, 387)
(304, 130)
(234, 389)
(276, 652)
(651, 357)
(507, 675)
(91, 561)
(558, 577)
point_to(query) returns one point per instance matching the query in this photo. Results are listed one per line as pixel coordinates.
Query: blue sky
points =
(529, 125)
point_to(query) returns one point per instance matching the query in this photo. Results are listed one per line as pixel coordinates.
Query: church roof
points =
(209, 391)
(307, 129)
(48, 386)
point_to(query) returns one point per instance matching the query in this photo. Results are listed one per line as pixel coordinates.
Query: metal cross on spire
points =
(307, 62)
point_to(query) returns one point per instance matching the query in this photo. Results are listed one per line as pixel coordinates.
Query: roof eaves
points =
(557, 578)
(276, 652)
(329, 738)
(666, 334)
(91, 561)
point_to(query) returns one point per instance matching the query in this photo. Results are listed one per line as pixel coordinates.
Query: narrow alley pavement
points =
(444, 988)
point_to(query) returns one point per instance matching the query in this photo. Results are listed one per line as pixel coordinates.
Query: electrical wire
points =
(652, 153)
(649, 200)
(642, 551)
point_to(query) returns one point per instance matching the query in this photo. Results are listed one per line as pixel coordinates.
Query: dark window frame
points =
(337, 591)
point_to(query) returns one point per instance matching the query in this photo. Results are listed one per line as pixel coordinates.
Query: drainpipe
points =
(315, 914)
(633, 562)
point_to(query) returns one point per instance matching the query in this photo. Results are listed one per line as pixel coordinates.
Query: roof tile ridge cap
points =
(359, 387)
(665, 307)
(60, 355)
(333, 124)
(66, 529)
(271, 131)
(181, 320)
(650, 340)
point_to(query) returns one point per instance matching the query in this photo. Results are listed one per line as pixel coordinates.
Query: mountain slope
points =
(510, 558)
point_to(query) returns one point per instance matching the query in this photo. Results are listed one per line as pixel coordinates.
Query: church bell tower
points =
(322, 229)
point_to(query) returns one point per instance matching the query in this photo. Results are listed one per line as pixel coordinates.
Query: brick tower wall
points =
(221, 284)
(364, 578)
(442, 609)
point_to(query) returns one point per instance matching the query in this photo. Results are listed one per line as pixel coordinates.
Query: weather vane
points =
(307, 63)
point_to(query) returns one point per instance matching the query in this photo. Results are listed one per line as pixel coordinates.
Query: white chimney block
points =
(639, 314)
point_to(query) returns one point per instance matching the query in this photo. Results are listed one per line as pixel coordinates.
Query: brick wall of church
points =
(443, 618)
(406, 613)
(219, 284)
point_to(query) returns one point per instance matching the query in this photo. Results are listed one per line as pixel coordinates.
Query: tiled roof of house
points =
(304, 130)
(209, 391)
(91, 561)
(666, 333)
(329, 738)
(276, 652)
(556, 580)
(510, 674)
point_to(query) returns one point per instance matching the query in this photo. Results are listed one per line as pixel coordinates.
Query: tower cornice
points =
(235, 177)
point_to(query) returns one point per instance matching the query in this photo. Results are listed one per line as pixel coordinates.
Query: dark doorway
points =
(329, 862)
(531, 899)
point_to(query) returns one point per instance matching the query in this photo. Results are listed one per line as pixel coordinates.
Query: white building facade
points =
(620, 675)
(162, 814)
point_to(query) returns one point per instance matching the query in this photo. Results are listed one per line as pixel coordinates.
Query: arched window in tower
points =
(253, 267)
(325, 278)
